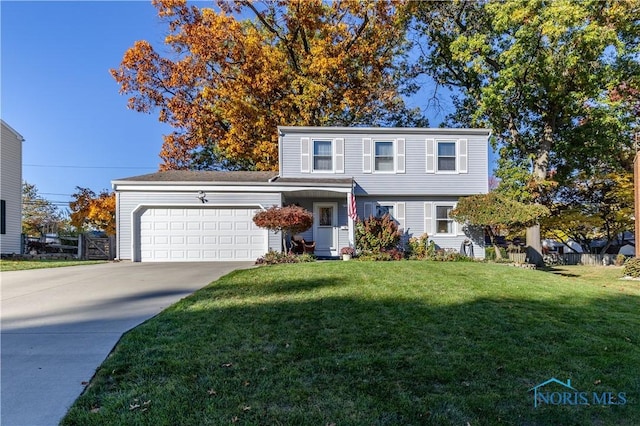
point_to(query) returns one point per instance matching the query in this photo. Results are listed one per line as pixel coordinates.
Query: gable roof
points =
(12, 130)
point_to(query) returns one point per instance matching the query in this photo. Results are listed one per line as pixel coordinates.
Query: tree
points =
(289, 220)
(597, 207)
(494, 212)
(540, 75)
(231, 82)
(92, 211)
(39, 216)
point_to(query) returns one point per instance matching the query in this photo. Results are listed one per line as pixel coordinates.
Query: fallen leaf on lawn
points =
(235, 419)
(133, 406)
(597, 382)
(146, 402)
(95, 410)
(227, 365)
(212, 392)
(246, 408)
(246, 383)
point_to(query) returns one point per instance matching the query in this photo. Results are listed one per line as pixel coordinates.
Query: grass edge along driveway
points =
(362, 343)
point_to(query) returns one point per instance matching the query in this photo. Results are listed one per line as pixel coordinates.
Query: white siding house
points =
(10, 190)
(414, 174)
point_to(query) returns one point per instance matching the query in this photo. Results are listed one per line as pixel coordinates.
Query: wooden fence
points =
(85, 246)
(97, 248)
(570, 259)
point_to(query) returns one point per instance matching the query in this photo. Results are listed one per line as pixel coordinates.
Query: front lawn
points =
(21, 265)
(386, 343)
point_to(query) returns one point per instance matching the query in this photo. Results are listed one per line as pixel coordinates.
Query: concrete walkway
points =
(59, 324)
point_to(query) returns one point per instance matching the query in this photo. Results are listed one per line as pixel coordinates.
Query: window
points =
(322, 156)
(383, 156)
(382, 209)
(447, 156)
(3, 217)
(326, 216)
(444, 224)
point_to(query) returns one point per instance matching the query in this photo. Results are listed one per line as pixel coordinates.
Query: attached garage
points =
(188, 234)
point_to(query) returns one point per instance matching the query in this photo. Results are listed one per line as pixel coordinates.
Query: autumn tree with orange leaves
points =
(230, 82)
(91, 211)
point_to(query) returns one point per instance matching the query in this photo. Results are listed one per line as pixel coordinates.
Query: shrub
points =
(490, 253)
(632, 267)
(382, 255)
(450, 255)
(620, 259)
(418, 247)
(377, 233)
(276, 257)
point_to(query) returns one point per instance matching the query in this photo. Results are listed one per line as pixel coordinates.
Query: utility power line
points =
(87, 167)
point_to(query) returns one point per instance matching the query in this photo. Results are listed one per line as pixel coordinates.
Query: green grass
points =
(21, 265)
(388, 343)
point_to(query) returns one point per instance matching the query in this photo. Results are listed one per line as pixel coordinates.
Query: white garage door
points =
(200, 234)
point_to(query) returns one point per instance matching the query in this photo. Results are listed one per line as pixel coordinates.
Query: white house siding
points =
(11, 188)
(414, 220)
(415, 179)
(129, 201)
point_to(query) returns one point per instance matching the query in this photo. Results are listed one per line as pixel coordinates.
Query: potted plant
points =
(347, 252)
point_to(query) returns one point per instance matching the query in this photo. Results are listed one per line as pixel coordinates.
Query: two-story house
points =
(414, 174)
(10, 190)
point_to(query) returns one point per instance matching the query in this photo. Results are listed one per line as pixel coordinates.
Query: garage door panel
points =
(200, 234)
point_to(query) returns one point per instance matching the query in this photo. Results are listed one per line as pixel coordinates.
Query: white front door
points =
(325, 228)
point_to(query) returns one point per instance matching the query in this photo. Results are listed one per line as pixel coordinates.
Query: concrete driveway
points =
(59, 324)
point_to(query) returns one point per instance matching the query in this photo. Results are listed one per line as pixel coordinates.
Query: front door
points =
(325, 228)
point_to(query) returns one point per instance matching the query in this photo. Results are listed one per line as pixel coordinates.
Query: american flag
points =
(351, 207)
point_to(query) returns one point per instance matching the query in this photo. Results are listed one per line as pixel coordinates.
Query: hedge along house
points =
(414, 174)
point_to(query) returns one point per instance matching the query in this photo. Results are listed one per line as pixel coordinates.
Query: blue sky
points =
(57, 92)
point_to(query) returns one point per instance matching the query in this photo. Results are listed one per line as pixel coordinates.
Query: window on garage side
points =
(444, 223)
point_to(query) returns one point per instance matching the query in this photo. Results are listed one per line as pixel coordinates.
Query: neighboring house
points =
(414, 174)
(10, 190)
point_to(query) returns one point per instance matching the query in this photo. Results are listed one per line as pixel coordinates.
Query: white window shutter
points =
(368, 210)
(366, 155)
(400, 149)
(431, 156)
(305, 157)
(428, 218)
(463, 160)
(400, 214)
(339, 153)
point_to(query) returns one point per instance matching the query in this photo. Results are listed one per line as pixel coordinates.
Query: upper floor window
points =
(322, 156)
(444, 224)
(447, 156)
(383, 156)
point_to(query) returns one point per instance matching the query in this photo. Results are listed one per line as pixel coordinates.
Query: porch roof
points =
(231, 180)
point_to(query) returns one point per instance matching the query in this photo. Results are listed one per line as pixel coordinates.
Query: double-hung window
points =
(382, 209)
(444, 223)
(446, 156)
(322, 155)
(383, 161)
